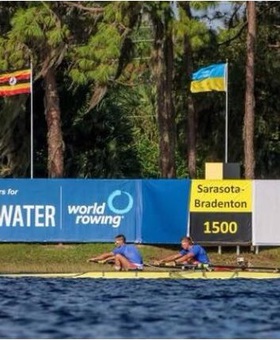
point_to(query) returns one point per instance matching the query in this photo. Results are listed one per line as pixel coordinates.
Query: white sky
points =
(224, 7)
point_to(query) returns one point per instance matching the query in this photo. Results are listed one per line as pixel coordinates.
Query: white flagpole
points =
(226, 117)
(31, 120)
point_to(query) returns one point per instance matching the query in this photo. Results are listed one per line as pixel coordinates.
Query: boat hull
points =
(203, 275)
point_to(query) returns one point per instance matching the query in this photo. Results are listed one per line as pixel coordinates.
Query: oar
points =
(101, 261)
(244, 267)
(215, 266)
(161, 267)
(175, 266)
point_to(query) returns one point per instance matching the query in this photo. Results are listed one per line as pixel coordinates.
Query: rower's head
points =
(120, 240)
(186, 242)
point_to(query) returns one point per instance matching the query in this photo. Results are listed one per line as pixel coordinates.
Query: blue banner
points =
(165, 206)
(29, 210)
(76, 210)
(98, 210)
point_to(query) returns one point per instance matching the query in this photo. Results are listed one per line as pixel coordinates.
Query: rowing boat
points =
(212, 275)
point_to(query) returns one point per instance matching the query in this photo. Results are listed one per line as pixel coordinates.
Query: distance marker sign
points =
(221, 211)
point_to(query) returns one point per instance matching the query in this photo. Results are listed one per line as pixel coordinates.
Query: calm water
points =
(87, 308)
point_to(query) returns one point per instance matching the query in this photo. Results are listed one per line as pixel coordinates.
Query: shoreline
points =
(70, 257)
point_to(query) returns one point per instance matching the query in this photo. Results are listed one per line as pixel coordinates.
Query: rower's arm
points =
(186, 257)
(169, 258)
(105, 256)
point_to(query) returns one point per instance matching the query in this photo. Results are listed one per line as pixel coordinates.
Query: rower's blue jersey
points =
(199, 253)
(130, 252)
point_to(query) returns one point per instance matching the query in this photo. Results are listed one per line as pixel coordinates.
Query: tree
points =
(115, 80)
(267, 75)
(162, 69)
(39, 33)
(191, 114)
(14, 151)
(249, 158)
(195, 36)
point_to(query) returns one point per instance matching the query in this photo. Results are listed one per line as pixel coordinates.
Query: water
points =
(87, 308)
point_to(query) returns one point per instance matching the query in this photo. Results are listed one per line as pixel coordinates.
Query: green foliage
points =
(203, 5)
(114, 47)
(36, 31)
(26, 25)
(139, 106)
(39, 22)
(98, 142)
(197, 32)
(99, 56)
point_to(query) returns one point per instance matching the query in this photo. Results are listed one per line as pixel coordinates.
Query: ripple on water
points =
(87, 308)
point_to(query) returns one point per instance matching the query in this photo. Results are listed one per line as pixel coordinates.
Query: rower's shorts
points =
(137, 266)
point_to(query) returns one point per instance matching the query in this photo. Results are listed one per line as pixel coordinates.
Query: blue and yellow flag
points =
(210, 78)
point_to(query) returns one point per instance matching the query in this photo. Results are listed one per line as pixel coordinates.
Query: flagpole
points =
(31, 121)
(226, 116)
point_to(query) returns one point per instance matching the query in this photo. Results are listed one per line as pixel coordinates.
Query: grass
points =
(24, 257)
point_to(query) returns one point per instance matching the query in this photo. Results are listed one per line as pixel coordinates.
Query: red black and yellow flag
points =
(14, 83)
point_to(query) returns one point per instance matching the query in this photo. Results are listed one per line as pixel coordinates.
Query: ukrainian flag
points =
(210, 78)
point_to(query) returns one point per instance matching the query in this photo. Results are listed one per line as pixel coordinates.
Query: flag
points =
(210, 78)
(14, 83)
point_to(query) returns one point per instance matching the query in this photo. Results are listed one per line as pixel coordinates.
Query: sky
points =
(224, 7)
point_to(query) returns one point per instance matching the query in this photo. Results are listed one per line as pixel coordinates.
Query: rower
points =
(125, 256)
(189, 253)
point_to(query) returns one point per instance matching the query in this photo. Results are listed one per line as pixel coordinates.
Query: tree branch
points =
(236, 35)
(94, 10)
(274, 46)
(246, 23)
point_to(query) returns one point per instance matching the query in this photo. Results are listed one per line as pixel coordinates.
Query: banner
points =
(266, 213)
(29, 210)
(221, 211)
(165, 207)
(55, 210)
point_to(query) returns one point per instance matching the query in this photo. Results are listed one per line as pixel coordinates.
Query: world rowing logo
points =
(111, 212)
(117, 194)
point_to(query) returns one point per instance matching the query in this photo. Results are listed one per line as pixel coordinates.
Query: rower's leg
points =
(122, 262)
(110, 259)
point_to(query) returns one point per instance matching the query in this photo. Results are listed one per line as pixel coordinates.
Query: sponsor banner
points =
(29, 210)
(221, 196)
(266, 213)
(221, 228)
(165, 206)
(54, 210)
(221, 211)
(99, 209)
(67, 210)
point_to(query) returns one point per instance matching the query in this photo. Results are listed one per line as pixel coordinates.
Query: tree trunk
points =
(169, 129)
(191, 114)
(54, 137)
(248, 133)
(163, 72)
(191, 127)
